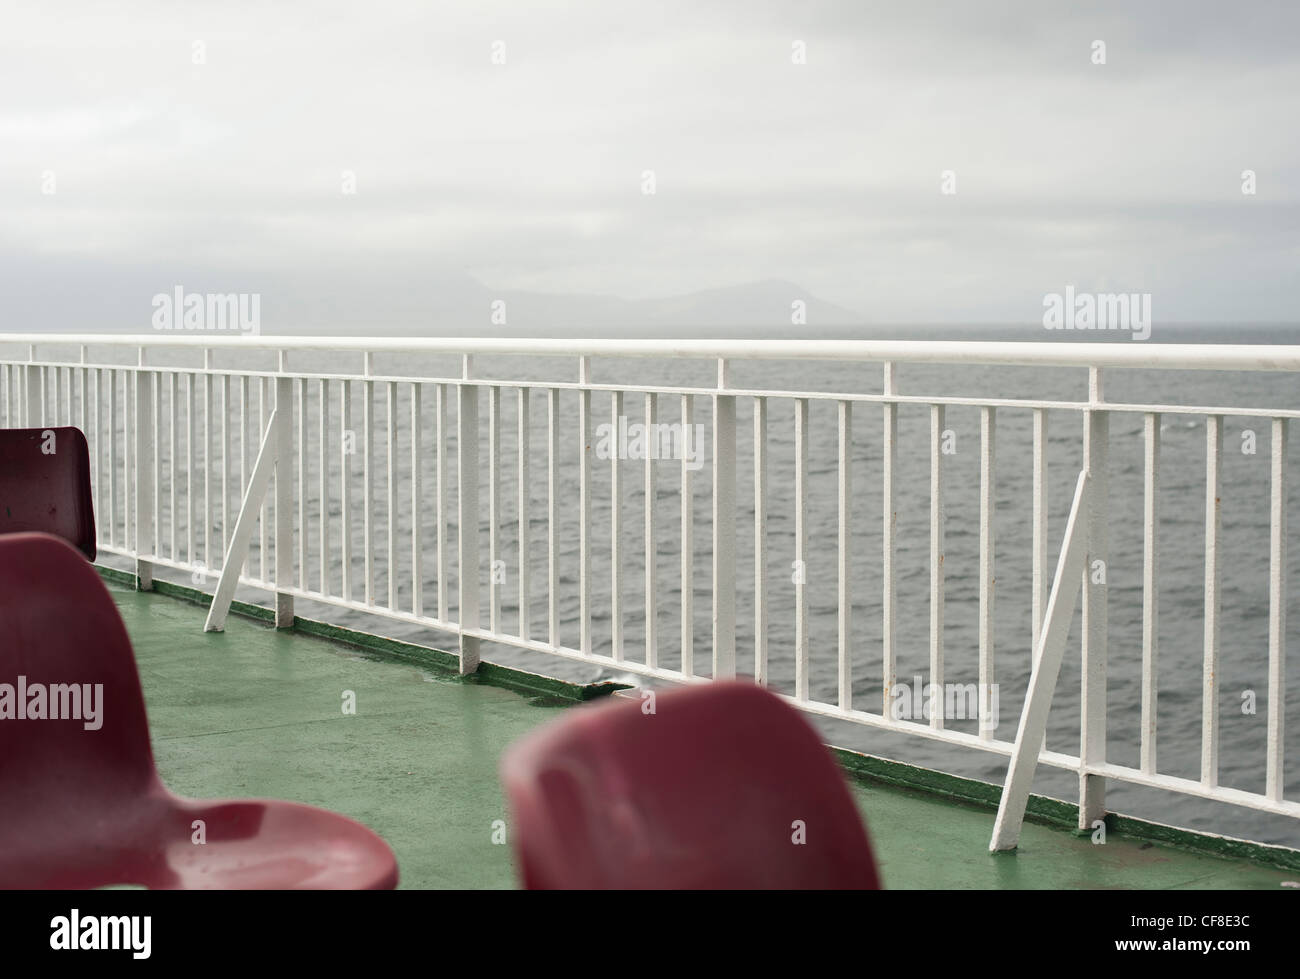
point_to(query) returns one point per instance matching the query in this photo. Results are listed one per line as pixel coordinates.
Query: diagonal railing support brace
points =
(267, 458)
(1047, 666)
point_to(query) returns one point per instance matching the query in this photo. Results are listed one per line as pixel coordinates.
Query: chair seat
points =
(246, 845)
(81, 803)
(722, 786)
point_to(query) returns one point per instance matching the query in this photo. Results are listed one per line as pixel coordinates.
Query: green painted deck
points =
(258, 712)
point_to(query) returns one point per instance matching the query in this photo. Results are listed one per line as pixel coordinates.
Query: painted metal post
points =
(889, 546)
(33, 416)
(938, 523)
(584, 506)
(845, 555)
(1150, 592)
(1210, 680)
(760, 541)
(1274, 777)
(284, 494)
(1092, 733)
(724, 528)
(144, 476)
(801, 638)
(467, 457)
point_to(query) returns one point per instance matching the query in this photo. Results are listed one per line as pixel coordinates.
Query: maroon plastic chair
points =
(45, 485)
(81, 804)
(710, 791)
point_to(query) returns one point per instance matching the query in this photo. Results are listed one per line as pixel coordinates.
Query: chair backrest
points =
(724, 785)
(74, 738)
(45, 485)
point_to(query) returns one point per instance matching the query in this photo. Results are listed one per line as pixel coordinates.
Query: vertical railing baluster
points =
(33, 392)
(347, 445)
(263, 419)
(651, 535)
(801, 548)
(208, 467)
(304, 533)
(191, 424)
(245, 415)
(988, 580)
(173, 416)
(724, 526)
(889, 543)
(938, 522)
(760, 541)
(145, 517)
(1213, 573)
(1094, 625)
(688, 547)
(616, 531)
(323, 482)
(846, 555)
(417, 503)
(84, 377)
(1150, 596)
(553, 514)
(112, 458)
(1277, 596)
(1041, 583)
(155, 399)
(523, 424)
(494, 506)
(225, 465)
(393, 572)
(467, 462)
(584, 505)
(99, 443)
(128, 460)
(368, 479)
(284, 556)
(443, 556)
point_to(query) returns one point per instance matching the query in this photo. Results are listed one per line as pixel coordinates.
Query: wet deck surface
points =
(256, 712)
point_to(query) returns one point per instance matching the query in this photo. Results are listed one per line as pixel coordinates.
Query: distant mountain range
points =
(456, 306)
(69, 295)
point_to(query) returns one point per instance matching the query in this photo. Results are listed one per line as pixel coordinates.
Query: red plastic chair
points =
(709, 791)
(82, 806)
(45, 485)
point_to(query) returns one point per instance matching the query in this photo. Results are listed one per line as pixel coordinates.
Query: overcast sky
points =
(527, 176)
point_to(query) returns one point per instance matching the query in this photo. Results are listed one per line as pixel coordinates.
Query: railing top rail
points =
(1177, 356)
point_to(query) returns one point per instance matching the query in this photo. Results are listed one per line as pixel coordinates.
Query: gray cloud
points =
(480, 180)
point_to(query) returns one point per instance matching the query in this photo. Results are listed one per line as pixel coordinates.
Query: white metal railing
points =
(166, 439)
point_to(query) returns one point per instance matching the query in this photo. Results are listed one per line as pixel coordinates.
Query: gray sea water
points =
(1244, 547)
